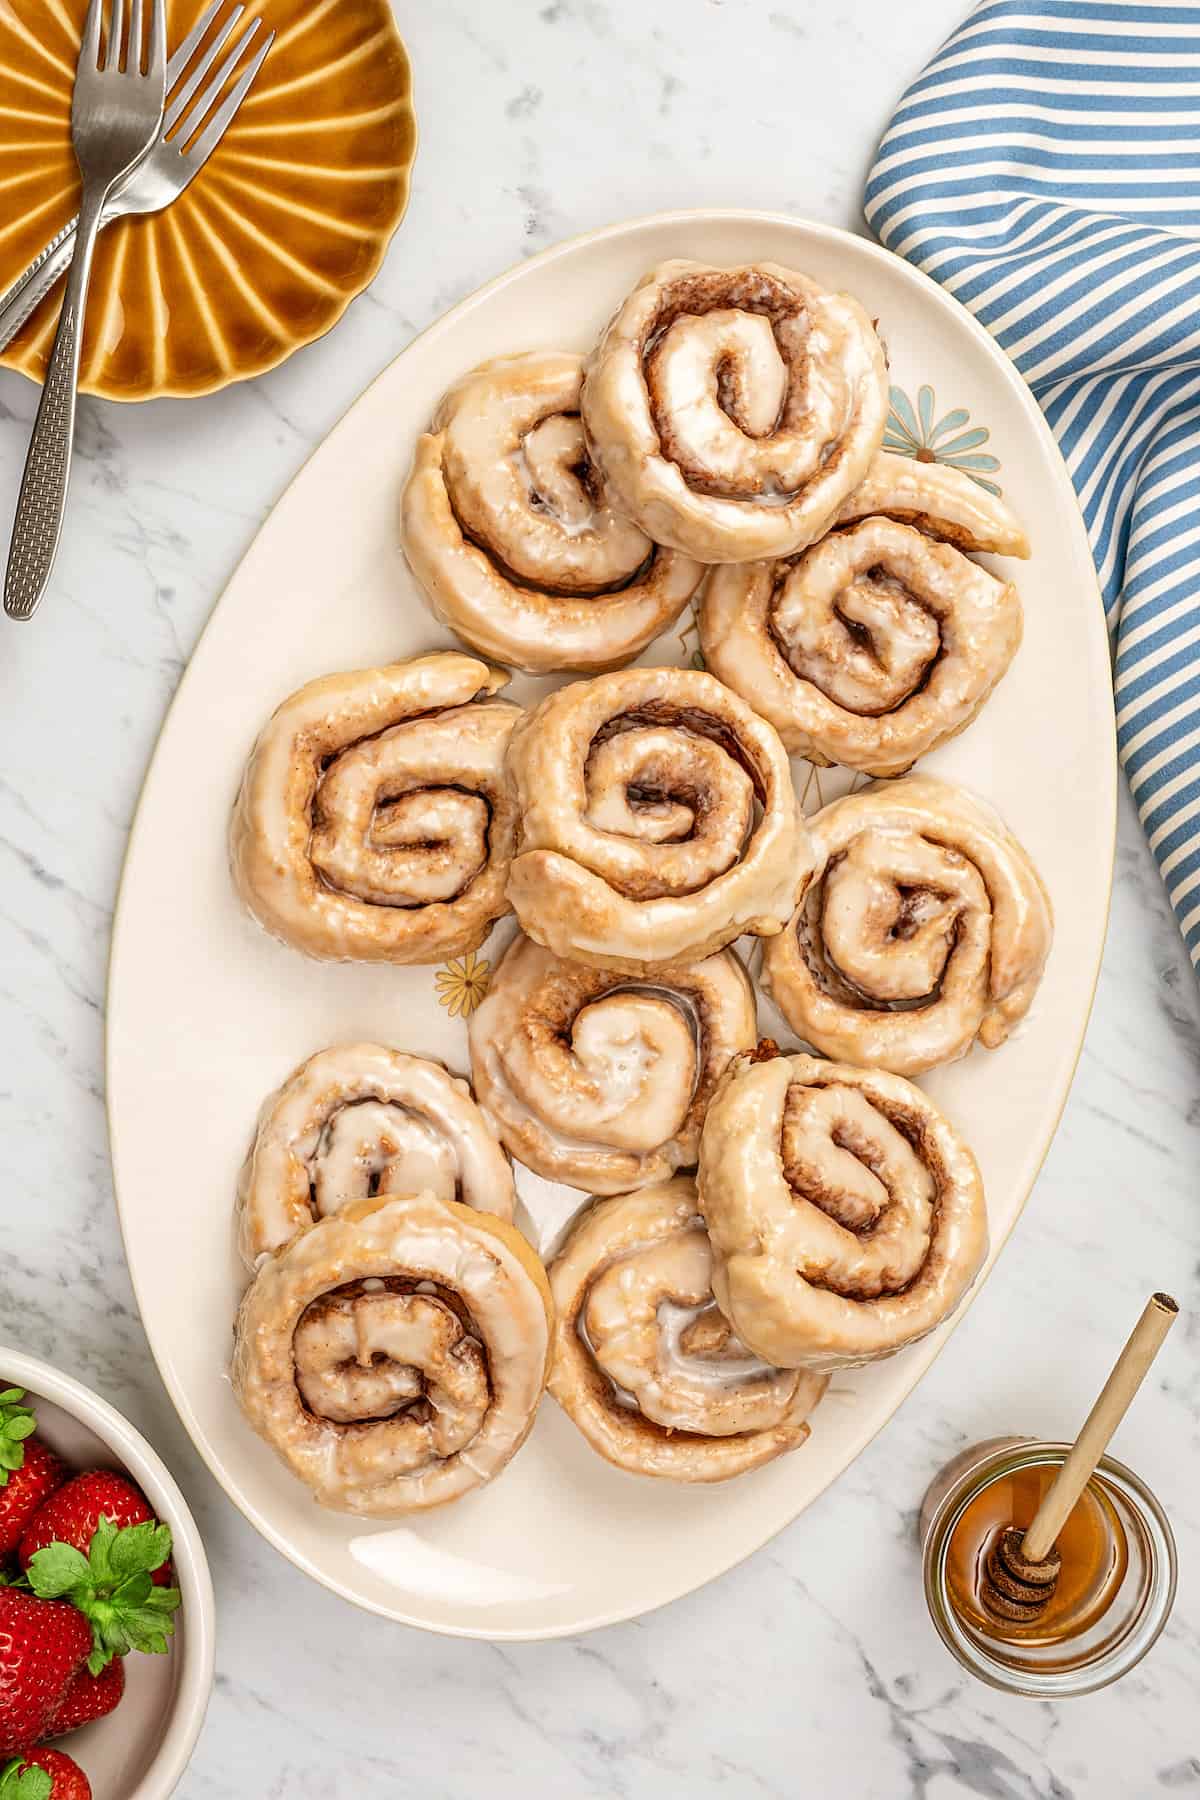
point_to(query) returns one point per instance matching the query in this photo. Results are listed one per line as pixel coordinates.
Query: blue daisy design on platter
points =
(916, 431)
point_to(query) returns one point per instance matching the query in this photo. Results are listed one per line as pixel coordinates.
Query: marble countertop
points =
(813, 1667)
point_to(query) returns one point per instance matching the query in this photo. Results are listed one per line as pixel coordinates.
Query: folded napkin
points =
(1045, 168)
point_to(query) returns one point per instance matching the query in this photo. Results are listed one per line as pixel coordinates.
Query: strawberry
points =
(42, 1643)
(112, 1586)
(29, 1472)
(44, 1774)
(88, 1697)
(73, 1512)
(26, 1491)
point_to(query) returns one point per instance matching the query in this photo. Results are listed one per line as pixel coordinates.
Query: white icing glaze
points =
(925, 929)
(878, 642)
(939, 498)
(641, 1319)
(595, 1080)
(644, 1362)
(359, 1119)
(642, 842)
(508, 534)
(846, 1217)
(375, 1147)
(373, 821)
(732, 411)
(389, 1399)
(368, 1355)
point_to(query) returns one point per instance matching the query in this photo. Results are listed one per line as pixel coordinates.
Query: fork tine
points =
(89, 48)
(191, 43)
(204, 101)
(156, 56)
(180, 99)
(116, 31)
(217, 126)
(133, 61)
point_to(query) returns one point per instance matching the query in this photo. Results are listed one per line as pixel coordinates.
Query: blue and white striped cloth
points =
(1045, 169)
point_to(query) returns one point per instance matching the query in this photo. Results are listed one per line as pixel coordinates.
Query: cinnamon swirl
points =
(846, 1215)
(658, 821)
(882, 640)
(508, 531)
(925, 928)
(358, 1120)
(732, 411)
(600, 1081)
(394, 1353)
(645, 1364)
(374, 822)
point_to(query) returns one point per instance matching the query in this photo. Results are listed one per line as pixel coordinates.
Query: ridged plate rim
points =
(168, 389)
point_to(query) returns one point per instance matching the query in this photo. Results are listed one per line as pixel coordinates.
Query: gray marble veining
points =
(811, 1669)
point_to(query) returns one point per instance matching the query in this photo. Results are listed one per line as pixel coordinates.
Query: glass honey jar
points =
(1113, 1595)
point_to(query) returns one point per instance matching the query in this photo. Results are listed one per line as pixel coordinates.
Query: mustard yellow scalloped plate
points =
(286, 223)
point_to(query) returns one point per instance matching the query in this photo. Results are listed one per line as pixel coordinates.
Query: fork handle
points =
(43, 498)
(18, 301)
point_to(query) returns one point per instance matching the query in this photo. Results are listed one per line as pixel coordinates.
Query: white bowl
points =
(139, 1752)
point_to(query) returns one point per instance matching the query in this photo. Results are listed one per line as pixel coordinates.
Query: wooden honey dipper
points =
(1023, 1566)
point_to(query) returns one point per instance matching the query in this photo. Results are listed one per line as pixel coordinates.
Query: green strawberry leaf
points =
(17, 1422)
(57, 1571)
(20, 1780)
(135, 1591)
(111, 1586)
(138, 1549)
(99, 1553)
(155, 1610)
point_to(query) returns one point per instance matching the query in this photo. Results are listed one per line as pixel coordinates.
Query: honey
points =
(1115, 1587)
(1092, 1544)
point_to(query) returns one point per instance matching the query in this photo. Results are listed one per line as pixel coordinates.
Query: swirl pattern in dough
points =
(395, 1352)
(598, 1080)
(358, 1120)
(732, 411)
(925, 928)
(846, 1215)
(508, 532)
(658, 821)
(646, 1365)
(374, 823)
(883, 639)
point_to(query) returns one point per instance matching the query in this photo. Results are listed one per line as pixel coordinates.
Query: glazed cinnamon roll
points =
(374, 823)
(732, 411)
(938, 500)
(394, 1353)
(925, 928)
(646, 1365)
(658, 821)
(359, 1120)
(846, 1215)
(507, 529)
(883, 639)
(602, 1081)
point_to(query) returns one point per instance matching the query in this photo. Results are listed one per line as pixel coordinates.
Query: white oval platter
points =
(206, 1014)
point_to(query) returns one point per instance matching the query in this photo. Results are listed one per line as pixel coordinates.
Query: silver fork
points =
(167, 168)
(115, 116)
